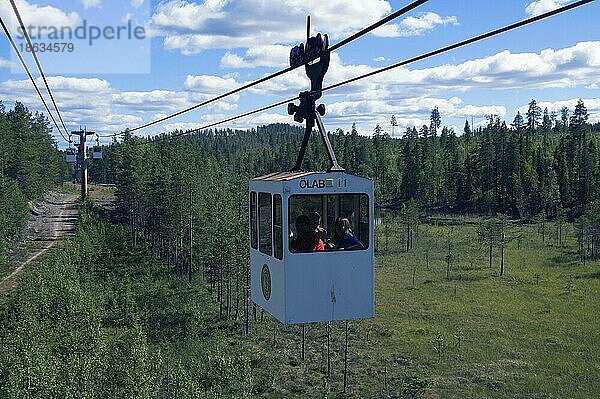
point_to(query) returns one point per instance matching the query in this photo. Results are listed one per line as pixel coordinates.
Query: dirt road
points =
(51, 221)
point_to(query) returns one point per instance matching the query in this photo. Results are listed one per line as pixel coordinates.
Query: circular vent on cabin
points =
(265, 281)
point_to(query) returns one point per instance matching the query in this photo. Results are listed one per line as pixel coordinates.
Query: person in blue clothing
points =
(346, 239)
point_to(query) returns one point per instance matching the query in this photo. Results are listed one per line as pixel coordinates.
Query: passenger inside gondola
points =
(344, 225)
(344, 238)
(315, 224)
(307, 239)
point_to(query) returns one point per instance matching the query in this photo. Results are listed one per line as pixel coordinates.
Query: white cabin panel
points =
(335, 286)
(273, 301)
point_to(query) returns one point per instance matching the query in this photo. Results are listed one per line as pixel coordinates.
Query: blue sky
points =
(196, 50)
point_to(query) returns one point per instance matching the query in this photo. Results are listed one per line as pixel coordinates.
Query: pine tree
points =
(394, 124)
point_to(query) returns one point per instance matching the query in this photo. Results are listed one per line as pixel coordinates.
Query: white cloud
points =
(95, 103)
(210, 84)
(6, 63)
(409, 92)
(569, 67)
(105, 109)
(155, 100)
(379, 59)
(61, 83)
(415, 26)
(91, 3)
(222, 106)
(82, 101)
(170, 127)
(136, 3)
(541, 6)
(263, 118)
(241, 124)
(193, 27)
(269, 56)
(35, 15)
(476, 110)
(412, 108)
(266, 118)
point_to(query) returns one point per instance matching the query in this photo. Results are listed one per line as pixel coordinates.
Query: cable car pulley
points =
(316, 56)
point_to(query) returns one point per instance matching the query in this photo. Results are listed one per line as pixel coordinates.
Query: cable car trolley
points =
(311, 233)
(70, 156)
(97, 150)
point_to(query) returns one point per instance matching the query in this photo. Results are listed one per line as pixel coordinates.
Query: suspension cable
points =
(37, 62)
(37, 89)
(213, 124)
(336, 46)
(396, 65)
(461, 44)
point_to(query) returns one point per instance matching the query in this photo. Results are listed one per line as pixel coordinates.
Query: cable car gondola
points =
(70, 156)
(97, 150)
(325, 280)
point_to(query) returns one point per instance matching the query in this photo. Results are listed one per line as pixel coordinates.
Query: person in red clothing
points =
(307, 239)
(315, 224)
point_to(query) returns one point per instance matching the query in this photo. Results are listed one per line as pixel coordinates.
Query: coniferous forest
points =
(30, 165)
(540, 163)
(150, 298)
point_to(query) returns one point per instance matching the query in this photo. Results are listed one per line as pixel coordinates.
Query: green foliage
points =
(128, 370)
(13, 210)
(29, 166)
(27, 152)
(103, 320)
(51, 338)
(153, 305)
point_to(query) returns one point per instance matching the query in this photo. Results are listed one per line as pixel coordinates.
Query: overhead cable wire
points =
(396, 65)
(31, 78)
(336, 46)
(213, 124)
(462, 43)
(37, 61)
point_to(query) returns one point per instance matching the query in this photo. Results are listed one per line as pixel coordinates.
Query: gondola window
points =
(265, 233)
(325, 215)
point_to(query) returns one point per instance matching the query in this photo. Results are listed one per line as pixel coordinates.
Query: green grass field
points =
(530, 333)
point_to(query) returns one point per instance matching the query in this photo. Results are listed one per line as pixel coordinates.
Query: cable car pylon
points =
(83, 165)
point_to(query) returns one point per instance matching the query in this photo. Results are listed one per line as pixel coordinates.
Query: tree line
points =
(30, 164)
(541, 162)
(186, 211)
(184, 197)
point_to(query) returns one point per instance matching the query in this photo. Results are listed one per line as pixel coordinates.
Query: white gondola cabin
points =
(70, 156)
(304, 286)
(97, 152)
